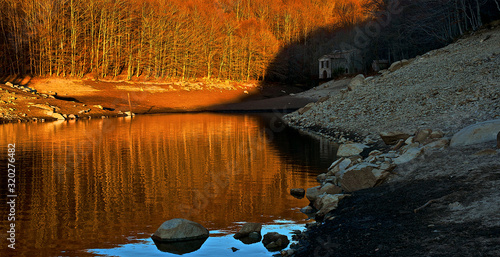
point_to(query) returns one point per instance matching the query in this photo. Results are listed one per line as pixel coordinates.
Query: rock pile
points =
(353, 172)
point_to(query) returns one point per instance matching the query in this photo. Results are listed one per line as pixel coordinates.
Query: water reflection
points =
(180, 248)
(93, 184)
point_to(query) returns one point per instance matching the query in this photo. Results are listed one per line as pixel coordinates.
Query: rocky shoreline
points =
(419, 148)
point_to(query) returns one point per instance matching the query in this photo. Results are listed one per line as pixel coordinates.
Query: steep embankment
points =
(446, 89)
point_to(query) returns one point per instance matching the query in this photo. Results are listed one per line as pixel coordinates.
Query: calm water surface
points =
(102, 187)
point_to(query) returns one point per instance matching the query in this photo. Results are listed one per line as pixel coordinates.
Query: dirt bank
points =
(31, 99)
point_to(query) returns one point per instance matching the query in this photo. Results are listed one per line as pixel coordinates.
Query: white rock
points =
(409, 155)
(346, 150)
(357, 81)
(438, 144)
(335, 163)
(477, 133)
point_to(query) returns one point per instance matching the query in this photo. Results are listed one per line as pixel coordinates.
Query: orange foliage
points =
(224, 39)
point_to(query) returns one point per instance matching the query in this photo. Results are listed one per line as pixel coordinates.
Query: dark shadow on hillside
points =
(71, 99)
(402, 30)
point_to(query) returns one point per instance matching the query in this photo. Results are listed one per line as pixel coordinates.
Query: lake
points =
(103, 186)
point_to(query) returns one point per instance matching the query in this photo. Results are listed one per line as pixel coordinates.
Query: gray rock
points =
(286, 253)
(180, 230)
(275, 242)
(255, 236)
(330, 188)
(436, 134)
(422, 135)
(398, 65)
(391, 138)
(248, 228)
(312, 193)
(321, 177)
(409, 155)
(326, 199)
(298, 192)
(307, 210)
(357, 81)
(345, 164)
(330, 203)
(477, 133)
(335, 163)
(358, 177)
(346, 150)
(437, 144)
(375, 153)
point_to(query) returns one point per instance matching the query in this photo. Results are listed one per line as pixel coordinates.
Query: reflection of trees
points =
(83, 189)
(297, 147)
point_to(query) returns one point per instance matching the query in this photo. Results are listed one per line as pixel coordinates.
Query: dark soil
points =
(445, 204)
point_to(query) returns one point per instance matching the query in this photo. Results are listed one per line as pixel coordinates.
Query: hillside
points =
(436, 198)
(445, 89)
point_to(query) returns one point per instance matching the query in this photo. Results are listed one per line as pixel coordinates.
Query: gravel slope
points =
(445, 89)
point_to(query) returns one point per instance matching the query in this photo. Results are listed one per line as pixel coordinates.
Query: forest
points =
(237, 40)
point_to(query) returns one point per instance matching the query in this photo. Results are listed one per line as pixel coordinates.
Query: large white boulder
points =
(477, 133)
(175, 230)
(357, 81)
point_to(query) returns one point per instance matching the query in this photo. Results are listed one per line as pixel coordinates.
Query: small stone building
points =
(336, 63)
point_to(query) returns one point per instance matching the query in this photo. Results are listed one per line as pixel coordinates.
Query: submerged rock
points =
(248, 228)
(307, 210)
(181, 247)
(298, 192)
(275, 242)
